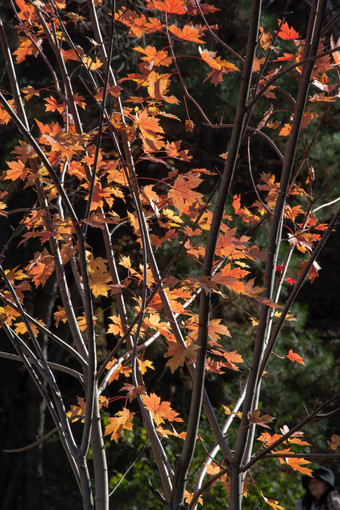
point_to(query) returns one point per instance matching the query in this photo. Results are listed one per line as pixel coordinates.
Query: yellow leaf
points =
(121, 420)
(144, 365)
(77, 410)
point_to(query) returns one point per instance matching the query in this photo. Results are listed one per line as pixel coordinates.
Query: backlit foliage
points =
(87, 155)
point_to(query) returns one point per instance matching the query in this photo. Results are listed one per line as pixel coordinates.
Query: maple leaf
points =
(299, 465)
(70, 54)
(77, 410)
(293, 356)
(193, 10)
(53, 105)
(296, 440)
(158, 86)
(144, 365)
(121, 420)
(272, 503)
(303, 241)
(41, 269)
(119, 370)
(27, 11)
(173, 151)
(189, 495)
(148, 125)
(160, 411)
(286, 57)
(21, 328)
(232, 358)
(216, 330)
(182, 192)
(169, 6)
(133, 391)
(30, 92)
(313, 271)
(103, 401)
(98, 274)
(265, 39)
(116, 328)
(268, 439)
(17, 170)
(262, 421)
(26, 48)
(228, 412)
(334, 442)
(158, 58)
(218, 65)
(189, 126)
(15, 274)
(138, 24)
(285, 130)
(92, 64)
(287, 33)
(188, 33)
(4, 115)
(178, 354)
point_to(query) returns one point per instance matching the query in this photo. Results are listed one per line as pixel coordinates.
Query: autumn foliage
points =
(96, 149)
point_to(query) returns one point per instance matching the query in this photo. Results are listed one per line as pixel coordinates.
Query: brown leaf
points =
(262, 421)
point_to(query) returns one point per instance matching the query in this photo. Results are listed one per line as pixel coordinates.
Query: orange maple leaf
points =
(158, 87)
(169, 6)
(26, 48)
(178, 354)
(158, 58)
(216, 330)
(69, 55)
(187, 33)
(286, 57)
(17, 170)
(173, 151)
(271, 502)
(232, 358)
(148, 125)
(285, 130)
(53, 105)
(268, 439)
(41, 269)
(293, 356)
(138, 25)
(160, 410)
(298, 465)
(182, 192)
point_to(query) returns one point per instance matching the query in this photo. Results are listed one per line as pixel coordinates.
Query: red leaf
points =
(287, 33)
